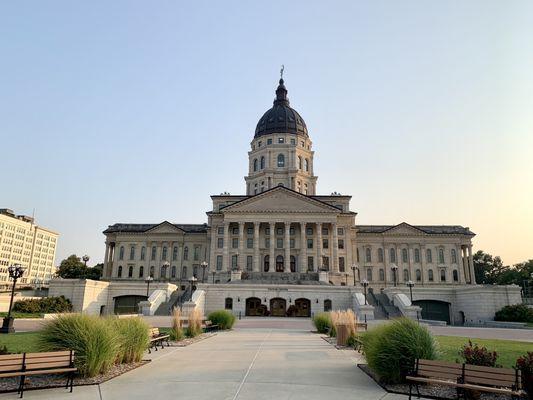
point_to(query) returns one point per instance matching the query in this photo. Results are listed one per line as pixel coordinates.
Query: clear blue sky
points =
(135, 111)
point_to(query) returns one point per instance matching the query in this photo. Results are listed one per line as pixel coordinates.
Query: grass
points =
(20, 342)
(21, 315)
(508, 350)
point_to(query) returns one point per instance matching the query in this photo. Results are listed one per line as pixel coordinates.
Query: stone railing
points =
(149, 306)
(403, 303)
(364, 311)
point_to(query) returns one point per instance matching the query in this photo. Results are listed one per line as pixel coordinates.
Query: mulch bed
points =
(59, 380)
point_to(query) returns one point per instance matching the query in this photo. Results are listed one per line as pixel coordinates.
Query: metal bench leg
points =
(22, 380)
(418, 390)
(71, 381)
(410, 390)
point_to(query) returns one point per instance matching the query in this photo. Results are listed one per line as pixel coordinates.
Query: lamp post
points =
(148, 279)
(410, 285)
(204, 267)
(85, 258)
(394, 268)
(192, 282)
(15, 272)
(365, 285)
(356, 267)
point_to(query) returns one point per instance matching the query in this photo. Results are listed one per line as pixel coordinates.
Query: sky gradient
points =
(134, 111)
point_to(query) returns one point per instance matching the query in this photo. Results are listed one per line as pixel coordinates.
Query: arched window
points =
(130, 272)
(299, 162)
(132, 253)
(441, 256)
(405, 275)
(429, 256)
(228, 303)
(255, 165)
(175, 253)
(404, 255)
(184, 272)
(153, 252)
(417, 255)
(455, 275)
(418, 275)
(368, 255)
(266, 263)
(327, 305)
(281, 160)
(173, 271)
(381, 274)
(442, 275)
(164, 255)
(454, 256)
(380, 254)
(293, 264)
(121, 253)
(186, 253)
(430, 275)
(306, 164)
(369, 274)
(152, 270)
(279, 263)
(141, 271)
(143, 253)
(262, 162)
(392, 255)
(119, 273)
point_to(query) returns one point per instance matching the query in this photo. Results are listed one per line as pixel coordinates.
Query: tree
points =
(74, 268)
(487, 268)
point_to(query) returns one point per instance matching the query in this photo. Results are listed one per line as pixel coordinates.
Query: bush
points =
(132, 338)
(223, 318)
(392, 349)
(353, 340)
(476, 355)
(525, 364)
(515, 313)
(195, 323)
(46, 305)
(322, 322)
(176, 332)
(92, 338)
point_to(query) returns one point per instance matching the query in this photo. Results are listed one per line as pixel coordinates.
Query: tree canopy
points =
(491, 270)
(74, 268)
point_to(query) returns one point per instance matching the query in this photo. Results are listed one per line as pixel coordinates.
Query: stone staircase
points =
(176, 299)
(383, 309)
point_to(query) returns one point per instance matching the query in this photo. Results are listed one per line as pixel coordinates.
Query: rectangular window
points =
(309, 231)
(219, 263)
(250, 243)
(341, 264)
(250, 231)
(325, 243)
(267, 231)
(292, 243)
(249, 260)
(235, 231)
(325, 231)
(279, 243)
(281, 140)
(220, 243)
(291, 231)
(220, 230)
(309, 243)
(293, 142)
(235, 243)
(267, 243)
(196, 253)
(340, 231)
(310, 263)
(341, 243)
(325, 263)
(269, 141)
(234, 262)
(279, 231)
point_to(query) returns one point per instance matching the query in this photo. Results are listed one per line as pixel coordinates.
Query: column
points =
(471, 263)
(257, 257)
(287, 259)
(212, 266)
(465, 271)
(225, 251)
(272, 256)
(460, 266)
(410, 259)
(240, 263)
(348, 245)
(106, 261)
(423, 270)
(319, 246)
(303, 248)
(335, 249)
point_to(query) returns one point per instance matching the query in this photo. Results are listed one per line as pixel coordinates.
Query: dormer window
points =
(281, 140)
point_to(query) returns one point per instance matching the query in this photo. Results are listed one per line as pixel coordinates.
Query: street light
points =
(85, 258)
(394, 268)
(148, 280)
(365, 285)
(356, 267)
(15, 272)
(192, 282)
(410, 284)
(204, 267)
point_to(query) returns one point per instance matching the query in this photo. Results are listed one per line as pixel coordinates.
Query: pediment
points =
(164, 227)
(404, 229)
(280, 200)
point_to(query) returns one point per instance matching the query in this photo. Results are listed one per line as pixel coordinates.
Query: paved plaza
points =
(243, 364)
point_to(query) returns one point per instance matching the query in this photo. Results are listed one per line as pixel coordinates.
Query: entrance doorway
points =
(303, 308)
(278, 307)
(253, 307)
(128, 304)
(434, 309)
(279, 264)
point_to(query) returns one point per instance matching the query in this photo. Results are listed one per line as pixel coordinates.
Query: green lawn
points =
(508, 350)
(20, 342)
(21, 315)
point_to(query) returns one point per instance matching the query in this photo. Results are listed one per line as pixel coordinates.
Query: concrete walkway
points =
(244, 364)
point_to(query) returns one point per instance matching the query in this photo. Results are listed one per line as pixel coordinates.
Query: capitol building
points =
(283, 249)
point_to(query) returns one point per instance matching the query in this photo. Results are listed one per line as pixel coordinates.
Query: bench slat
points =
(48, 359)
(47, 365)
(437, 368)
(507, 379)
(437, 363)
(40, 372)
(10, 367)
(440, 374)
(489, 381)
(502, 371)
(432, 380)
(64, 353)
(9, 357)
(492, 389)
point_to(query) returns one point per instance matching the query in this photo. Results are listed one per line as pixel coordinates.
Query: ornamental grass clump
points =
(223, 318)
(322, 322)
(176, 332)
(93, 340)
(345, 319)
(132, 338)
(195, 323)
(392, 349)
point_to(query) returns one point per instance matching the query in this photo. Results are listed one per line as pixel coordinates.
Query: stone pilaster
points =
(287, 259)
(272, 255)
(319, 245)
(256, 266)
(303, 248)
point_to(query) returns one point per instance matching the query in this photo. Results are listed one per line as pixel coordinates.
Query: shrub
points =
(392, 349)
(176, 332)
(477, 355)
(44, 305)
(353, 340)
(322, 322)
(132, 338)
(195, 323)
(223, 318)
(525, 364)
(92, 338)
(515, 313)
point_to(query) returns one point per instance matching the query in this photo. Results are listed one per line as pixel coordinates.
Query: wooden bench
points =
(26, 364)
(210, 327)
(362, 325)
(465, 377)
(157, 339)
